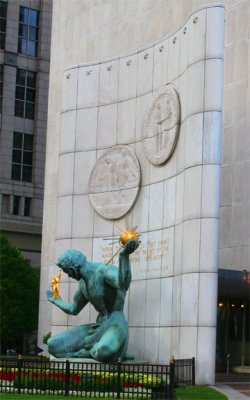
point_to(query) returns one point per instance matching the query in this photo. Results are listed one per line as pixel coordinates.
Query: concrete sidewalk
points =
(235, 386)
(231, 393)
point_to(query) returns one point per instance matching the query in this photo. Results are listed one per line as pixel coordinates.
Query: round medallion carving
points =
(160, 126)
(114, 182)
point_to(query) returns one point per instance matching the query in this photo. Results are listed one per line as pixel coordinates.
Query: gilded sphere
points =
(128, 235)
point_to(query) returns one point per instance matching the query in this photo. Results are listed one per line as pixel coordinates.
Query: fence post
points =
(193, 371)
(119, 379)
(171, 381)
(66, 393)
(19, 371)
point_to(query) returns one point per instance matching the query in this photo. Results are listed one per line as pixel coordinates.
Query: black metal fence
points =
(116, 380)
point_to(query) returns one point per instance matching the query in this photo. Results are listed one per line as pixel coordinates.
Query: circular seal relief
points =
(114, 182)
(161, 125)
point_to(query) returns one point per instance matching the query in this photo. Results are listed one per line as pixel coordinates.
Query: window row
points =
(27, 30)
(25, 95)
(16, 205)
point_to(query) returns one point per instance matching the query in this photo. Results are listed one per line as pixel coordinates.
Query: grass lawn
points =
(198, 393)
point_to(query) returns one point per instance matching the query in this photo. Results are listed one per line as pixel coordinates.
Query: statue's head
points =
(70, 262)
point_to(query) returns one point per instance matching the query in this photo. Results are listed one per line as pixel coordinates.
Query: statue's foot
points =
(128, 357)
(83, 353)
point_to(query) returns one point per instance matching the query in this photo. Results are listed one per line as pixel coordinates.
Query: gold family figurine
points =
(55, 285)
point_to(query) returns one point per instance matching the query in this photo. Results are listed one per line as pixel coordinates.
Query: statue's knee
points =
(53, 345)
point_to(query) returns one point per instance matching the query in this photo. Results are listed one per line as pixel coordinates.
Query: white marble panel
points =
(83, 245)
(156, 205)
(153, 296)
(144, 164)
(128, 77)
(82, 218)
(64, 217)
(126, 121)
(109, 74)
(103, 227)
(102, 251)
(55, 329)
(184, 38)
(166, 292)
(160, 69)
(60, 247)
(140, 210)
(45, 310)
(215, 32)
(157, 173)
(188, 341)
(143, 104)
(65, 175)
(194, 140)
(69, 89)
(195, 88)
(180, 149)
(169, 202)
(208, 288)
(154, 254)
(179, 198)
(170, 167)
(92, 315)
(67, 134)
(145, 72)
(209, 245)
(212, 138)
(175, 342)
(167, 252)
(84, 162)
(191, 246)
(213, 85)
(189, 299)
(183, 95)
(205, 363)
(137, 301)
(165, 335)
(197, 37)
(107, 124)
(174, 57)
(86, 129)
(176, 303)
(151, 350)
(178, 253)
(192, 192)
(88, 86)
(136, 342)
(139, 259)
(210, 191)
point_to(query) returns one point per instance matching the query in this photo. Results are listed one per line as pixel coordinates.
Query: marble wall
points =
(171, 304)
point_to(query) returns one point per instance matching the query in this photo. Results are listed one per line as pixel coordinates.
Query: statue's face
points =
(72, 272)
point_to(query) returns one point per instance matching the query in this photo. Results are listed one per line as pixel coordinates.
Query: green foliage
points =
(46, 337)
(19, 293)
(198, 393)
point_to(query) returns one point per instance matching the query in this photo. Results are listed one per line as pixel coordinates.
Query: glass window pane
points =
(34, 15)
(24, 15)
(16, 172)
(27, 174)
(2, 41)
(20, 77)
(22, 45)
(17, 156)
(28, 142)
(20, 91)
(31, 95)
(23, 30)
(17, 140)
(1, 73)
(19, 108)
(31, 48)
(29, 110)
(27, 206)
(31, 79)
(3, 9)
(2, 25)
(32, 33)
(27, 157)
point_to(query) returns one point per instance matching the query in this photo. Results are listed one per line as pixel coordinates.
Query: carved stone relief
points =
(160, 126)
(114, 182)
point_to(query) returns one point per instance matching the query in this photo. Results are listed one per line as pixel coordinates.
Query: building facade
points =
(24, 72)
(163, 85)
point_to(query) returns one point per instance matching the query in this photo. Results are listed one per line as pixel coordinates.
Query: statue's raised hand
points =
(50, 297)
(131, 246)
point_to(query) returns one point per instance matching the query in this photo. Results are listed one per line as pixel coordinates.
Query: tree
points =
(19, 295)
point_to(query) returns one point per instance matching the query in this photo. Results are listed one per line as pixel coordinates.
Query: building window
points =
(5, 203)
(22, 154)
(25, 94)
(1, 87)
(28, 31)
(3, 13)
(16, 205)
(27, 206)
